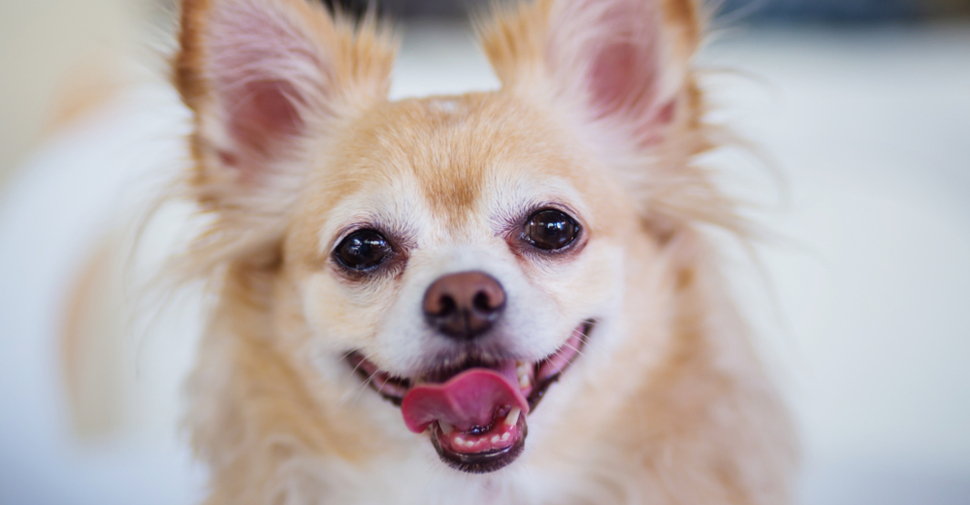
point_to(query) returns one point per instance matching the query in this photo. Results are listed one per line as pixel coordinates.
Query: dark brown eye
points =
(550, 230)
(363, 250)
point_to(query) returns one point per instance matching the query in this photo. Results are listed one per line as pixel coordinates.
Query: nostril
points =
(446, 306)
(483, 303)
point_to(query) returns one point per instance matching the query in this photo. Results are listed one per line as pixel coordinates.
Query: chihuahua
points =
(498, 297)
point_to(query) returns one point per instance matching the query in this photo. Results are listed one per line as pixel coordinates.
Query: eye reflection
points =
(550, 230)
(363, 250)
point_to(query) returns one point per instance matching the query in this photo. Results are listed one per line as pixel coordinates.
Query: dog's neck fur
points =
(708, 428)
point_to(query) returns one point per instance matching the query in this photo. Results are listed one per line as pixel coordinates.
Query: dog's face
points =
(437, 241)
(464, 257)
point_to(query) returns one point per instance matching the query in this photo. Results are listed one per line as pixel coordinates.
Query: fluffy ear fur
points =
(622, 63)
(620, 72)
(268, 81)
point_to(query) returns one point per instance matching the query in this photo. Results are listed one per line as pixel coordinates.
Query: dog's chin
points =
(476, 412)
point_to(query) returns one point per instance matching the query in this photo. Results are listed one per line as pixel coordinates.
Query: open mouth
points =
(476, 412)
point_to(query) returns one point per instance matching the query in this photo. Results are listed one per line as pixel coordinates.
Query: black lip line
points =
(539, 391)
(483, 462)
(354, 359)
(535, 396)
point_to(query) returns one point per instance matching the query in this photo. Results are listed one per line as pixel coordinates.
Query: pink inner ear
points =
(616, 79)
(263, 116)
(266, 75)
(625, 68)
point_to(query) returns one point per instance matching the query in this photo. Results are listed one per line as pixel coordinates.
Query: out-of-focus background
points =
(862, 108)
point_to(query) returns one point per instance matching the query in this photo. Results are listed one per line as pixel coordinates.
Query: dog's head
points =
(462, 254)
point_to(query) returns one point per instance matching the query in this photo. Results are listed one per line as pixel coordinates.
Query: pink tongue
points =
(468, 399)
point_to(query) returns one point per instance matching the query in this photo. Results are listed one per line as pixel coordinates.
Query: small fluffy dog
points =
(496, 297)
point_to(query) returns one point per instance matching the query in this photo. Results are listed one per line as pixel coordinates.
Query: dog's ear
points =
(268, 82)
(618, 72)
(620, 65)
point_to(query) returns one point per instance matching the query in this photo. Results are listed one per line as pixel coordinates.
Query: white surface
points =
(872, 339)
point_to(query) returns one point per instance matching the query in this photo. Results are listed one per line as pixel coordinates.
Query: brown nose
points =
(464, 305)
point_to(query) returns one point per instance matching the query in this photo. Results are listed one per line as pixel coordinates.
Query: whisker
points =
(579, 352)
(366, 382)
(363, 385)
(357, 366)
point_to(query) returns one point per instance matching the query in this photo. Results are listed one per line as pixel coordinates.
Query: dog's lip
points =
(390, 387)
(475, 448)
(499, 456)
(543, 373)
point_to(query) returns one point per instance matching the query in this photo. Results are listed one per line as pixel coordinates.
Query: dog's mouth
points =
(475, 412)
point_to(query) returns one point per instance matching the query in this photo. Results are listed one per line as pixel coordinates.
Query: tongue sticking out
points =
(471, 398)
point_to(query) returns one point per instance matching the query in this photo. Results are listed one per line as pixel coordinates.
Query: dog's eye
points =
(363, 250)
(550, 230)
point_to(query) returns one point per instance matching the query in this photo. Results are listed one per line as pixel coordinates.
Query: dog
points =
(497, 297)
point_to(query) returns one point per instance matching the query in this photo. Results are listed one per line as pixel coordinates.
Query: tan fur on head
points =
(600, 117)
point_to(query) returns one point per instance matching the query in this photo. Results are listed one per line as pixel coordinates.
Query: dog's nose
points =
(464, 305)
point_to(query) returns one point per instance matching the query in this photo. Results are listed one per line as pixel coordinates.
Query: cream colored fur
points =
(668, 403)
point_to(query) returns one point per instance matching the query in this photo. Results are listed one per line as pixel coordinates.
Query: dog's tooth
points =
(495, 439)
(513, 416)
(459, 441)
(522, 371)
(505, 436)
(445, 427)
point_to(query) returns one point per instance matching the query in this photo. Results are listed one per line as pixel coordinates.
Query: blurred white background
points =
(865, 318)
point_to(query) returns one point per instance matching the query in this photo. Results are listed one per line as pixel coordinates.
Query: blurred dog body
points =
(454, 260)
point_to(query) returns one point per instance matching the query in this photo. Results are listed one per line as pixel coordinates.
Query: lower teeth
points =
(513, 416)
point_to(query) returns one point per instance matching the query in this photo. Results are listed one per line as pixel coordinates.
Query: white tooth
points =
(505, 436)
(513, 416)
(470, 443)
(495, 439)
(459, 441)
(522, 371)
(445, 427)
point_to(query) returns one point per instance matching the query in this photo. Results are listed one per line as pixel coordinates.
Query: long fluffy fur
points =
(701, 425)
